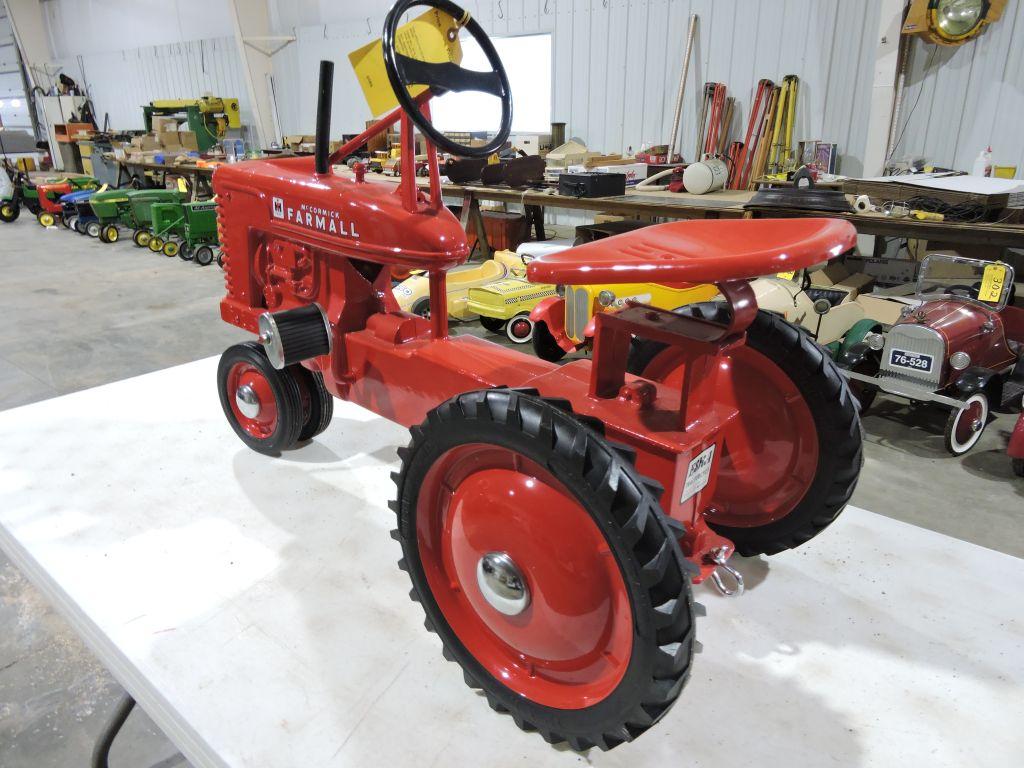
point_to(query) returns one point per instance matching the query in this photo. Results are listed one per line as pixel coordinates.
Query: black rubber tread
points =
(544, 345)
(321, 403)
(421, 307)
(833, 408)
(644, 542)
(286, 395)
(492, 324)
(9, 212)
(203, 256)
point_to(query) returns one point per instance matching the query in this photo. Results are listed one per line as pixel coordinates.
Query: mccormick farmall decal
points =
(314, 217)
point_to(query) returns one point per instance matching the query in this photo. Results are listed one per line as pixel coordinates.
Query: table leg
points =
(535, 216)
(101, 752)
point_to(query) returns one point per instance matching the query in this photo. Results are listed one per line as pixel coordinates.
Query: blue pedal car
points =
(77, 213)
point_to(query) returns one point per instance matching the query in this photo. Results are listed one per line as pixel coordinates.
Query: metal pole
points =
(682, 89)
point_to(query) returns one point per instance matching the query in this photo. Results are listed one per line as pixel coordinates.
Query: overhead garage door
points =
(14, 107)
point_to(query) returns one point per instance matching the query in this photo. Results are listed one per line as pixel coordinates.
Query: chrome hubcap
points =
(501, 584)
(247, 401)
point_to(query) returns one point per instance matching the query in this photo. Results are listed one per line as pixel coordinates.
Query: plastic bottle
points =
(983, 163)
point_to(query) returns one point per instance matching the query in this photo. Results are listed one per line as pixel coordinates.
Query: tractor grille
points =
(577, 312)
(914, 338)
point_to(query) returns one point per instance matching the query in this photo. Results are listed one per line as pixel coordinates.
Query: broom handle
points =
(677, 115)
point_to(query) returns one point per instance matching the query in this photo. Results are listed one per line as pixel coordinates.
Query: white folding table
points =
(253, 607)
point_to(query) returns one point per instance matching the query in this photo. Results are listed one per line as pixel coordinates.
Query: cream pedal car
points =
(504, 306)
(413, 294)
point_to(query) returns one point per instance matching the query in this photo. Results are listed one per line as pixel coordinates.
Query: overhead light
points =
(1, 103)
(15, 103)
(951, 22)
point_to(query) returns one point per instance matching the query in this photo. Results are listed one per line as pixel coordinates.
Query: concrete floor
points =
(79, 314)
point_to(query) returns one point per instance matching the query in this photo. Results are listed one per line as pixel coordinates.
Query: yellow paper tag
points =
(992, 283)
(182, 186)
(786, 275)
(424, 38)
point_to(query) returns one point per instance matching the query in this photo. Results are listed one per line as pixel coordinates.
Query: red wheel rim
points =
(520, 328)
(263, 424)
(571, 646)
(770, 455)
(964, 429)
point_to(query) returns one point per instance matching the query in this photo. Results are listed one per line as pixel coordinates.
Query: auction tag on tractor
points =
(698, 474)
(915, 361)
(992, 284)
(786, 275)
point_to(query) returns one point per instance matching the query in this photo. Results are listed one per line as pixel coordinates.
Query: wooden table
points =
(729, 204)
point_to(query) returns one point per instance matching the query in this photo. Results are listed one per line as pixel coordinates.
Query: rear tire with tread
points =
(625, 509)
(833, 409)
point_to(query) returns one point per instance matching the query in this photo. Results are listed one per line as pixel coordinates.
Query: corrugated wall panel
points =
(121, 82)
(960, 100)
(617, 64)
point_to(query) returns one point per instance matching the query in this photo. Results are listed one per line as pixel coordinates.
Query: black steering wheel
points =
(966, 291)
(404, 71)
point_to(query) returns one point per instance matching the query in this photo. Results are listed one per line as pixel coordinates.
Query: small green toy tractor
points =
(187, 230)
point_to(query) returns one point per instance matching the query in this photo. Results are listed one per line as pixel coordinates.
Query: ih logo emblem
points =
(278, 208)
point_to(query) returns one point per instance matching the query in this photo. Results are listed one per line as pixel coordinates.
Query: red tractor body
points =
(551, 518)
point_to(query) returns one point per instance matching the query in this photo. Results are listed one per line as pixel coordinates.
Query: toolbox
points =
(592, 184)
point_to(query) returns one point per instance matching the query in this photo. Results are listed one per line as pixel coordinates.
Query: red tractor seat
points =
(706, 251)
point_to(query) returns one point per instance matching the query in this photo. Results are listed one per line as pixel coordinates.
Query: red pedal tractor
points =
(551, 518)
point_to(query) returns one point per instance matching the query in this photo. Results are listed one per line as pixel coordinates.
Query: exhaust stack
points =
(323, 117)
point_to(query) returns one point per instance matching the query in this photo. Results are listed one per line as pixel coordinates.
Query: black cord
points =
(920, 91)
(966, 212)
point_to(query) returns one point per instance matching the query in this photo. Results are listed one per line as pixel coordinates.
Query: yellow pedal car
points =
(563, 324)
(413, 294)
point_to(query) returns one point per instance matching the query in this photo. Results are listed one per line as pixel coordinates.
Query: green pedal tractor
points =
(187, 230)
(129, 208)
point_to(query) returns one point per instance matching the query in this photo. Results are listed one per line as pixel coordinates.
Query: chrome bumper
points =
(905, 389)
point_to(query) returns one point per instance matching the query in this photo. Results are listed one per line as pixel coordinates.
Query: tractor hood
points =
(362, 218)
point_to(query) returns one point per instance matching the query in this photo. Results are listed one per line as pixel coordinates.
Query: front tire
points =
(93, 229)
(141, 238)
(155, 244)
(544, 344)
(797, 449)
(492, 324)
(262, 404)
(317, 402)
(587, 633)
(204, 255)
(46, 219)
(520, 329)
(171, 249)
(9, 212)
(965, 426)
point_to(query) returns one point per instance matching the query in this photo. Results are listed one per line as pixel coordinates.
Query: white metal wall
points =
(967, 98)
(121, 82)
(12, 86)
(617, 62)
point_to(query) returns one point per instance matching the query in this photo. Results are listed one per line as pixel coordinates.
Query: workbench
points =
(253, 608)
(198, 179)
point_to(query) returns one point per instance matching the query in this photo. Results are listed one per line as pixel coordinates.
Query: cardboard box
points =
(145, 143)
(187, 139)
(163, 124)
(168, 139)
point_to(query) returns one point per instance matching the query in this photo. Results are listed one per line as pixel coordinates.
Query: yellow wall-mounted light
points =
(951, 22)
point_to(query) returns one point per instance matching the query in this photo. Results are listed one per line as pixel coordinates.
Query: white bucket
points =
(709, 175)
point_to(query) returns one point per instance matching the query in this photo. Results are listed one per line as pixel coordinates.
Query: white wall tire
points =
(519, 329)
(965, 426)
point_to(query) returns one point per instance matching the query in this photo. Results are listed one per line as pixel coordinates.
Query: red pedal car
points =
(551, 519)
(1016, 449)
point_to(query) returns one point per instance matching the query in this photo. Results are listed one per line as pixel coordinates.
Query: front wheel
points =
(317, 402)
(9, 212)
(141, 238)
(544, 344)
(186, 252)
(964, 426)
(545, 564)
(46, 219)
(93, 229)
(492, 324)
(171, 248)
(155, 244)
(110, 234)
(792, 456)
(262, 404)
(519, 330)
(204, 255)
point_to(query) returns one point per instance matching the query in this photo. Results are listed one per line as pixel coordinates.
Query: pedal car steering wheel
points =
(404, 71)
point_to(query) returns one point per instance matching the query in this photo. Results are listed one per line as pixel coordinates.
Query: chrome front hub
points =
(501, 584)
(247, 401)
